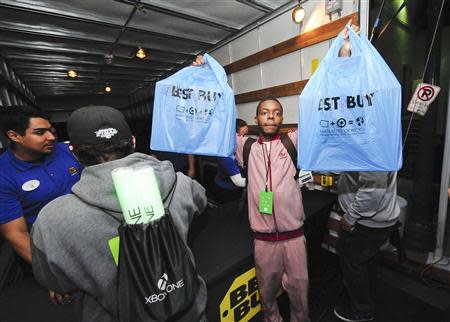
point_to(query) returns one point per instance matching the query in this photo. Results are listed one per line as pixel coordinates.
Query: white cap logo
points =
(106, 133)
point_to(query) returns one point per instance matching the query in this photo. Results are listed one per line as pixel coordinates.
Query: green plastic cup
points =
(138, 194)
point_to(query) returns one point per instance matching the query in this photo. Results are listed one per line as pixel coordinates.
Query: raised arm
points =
(191, 161)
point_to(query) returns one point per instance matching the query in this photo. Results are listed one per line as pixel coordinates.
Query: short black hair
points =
(17, 118)
(92, 154)
(240, 123)
(268, 98)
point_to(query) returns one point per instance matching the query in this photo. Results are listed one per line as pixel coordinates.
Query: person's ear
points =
(13, 136)
(256, 119)
(134, 141)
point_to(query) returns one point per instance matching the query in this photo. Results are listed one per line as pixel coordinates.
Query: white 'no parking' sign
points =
(424, 95)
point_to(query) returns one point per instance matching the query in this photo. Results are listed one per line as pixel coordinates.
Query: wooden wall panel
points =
(303, 40)
(289, 89)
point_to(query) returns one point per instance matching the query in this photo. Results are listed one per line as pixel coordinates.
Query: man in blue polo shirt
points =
(34, 170)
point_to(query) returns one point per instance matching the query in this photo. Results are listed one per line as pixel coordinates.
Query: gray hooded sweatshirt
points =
(369, 198)
(70, 248)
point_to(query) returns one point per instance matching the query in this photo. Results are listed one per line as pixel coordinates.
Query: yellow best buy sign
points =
(241, 303)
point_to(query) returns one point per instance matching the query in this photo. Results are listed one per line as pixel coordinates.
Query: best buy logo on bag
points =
(241, 303)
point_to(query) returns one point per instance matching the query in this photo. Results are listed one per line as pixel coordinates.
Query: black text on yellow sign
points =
(241, 303)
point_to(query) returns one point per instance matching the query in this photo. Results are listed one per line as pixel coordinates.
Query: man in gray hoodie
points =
(369, 202)
(70, 247)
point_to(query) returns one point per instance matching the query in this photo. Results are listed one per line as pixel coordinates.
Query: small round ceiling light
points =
(109, 58)
(298, 14)
(108, 89)
(141, 53)
(72, 74)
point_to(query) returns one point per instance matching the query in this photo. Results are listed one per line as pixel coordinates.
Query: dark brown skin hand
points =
(59, 299)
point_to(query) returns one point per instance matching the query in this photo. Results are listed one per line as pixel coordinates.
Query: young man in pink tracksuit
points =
(280, 246)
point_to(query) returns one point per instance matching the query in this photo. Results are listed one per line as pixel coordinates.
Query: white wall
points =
(285, 69)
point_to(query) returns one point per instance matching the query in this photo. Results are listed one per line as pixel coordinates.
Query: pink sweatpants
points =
(282, 264)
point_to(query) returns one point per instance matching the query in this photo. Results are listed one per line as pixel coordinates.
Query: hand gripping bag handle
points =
(356, 41)
(219, 74)
(357, 44)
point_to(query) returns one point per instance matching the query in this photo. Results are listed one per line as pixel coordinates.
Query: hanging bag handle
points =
(218, 71)
(355, 43)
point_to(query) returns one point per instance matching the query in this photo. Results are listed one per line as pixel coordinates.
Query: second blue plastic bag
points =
(194, 112)
(350, 112)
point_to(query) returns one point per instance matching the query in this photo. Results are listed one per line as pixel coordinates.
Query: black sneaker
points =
(345, 313)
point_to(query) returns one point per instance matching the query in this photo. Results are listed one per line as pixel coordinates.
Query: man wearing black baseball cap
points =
(70, 238)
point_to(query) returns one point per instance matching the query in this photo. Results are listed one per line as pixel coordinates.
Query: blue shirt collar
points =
(23, 165)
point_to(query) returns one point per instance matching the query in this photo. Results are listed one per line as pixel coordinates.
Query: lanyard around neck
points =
(267, 165)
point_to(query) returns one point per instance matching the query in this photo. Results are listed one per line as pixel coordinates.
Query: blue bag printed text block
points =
(194, 112)
(350, 112)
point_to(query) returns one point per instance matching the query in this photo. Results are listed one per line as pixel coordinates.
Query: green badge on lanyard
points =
(265, 202)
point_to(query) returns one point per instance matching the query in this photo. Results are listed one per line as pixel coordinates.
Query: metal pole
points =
(443, 196)
(377, 21)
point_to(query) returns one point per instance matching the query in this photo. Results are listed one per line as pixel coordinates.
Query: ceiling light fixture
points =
(109, 59)
(141, 53)
(72, 74)
(108, 89)
(298, 14)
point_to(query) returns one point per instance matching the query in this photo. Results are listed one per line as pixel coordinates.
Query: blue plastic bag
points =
(194, 112)
(350, 112)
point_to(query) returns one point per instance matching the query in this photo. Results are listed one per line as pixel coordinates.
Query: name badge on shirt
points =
(30, 185)
(265, 202)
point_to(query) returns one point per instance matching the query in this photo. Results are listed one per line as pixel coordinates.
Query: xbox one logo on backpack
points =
(165, 287)
(162, 282)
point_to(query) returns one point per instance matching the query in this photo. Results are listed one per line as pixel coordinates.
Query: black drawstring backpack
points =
(157, 280)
